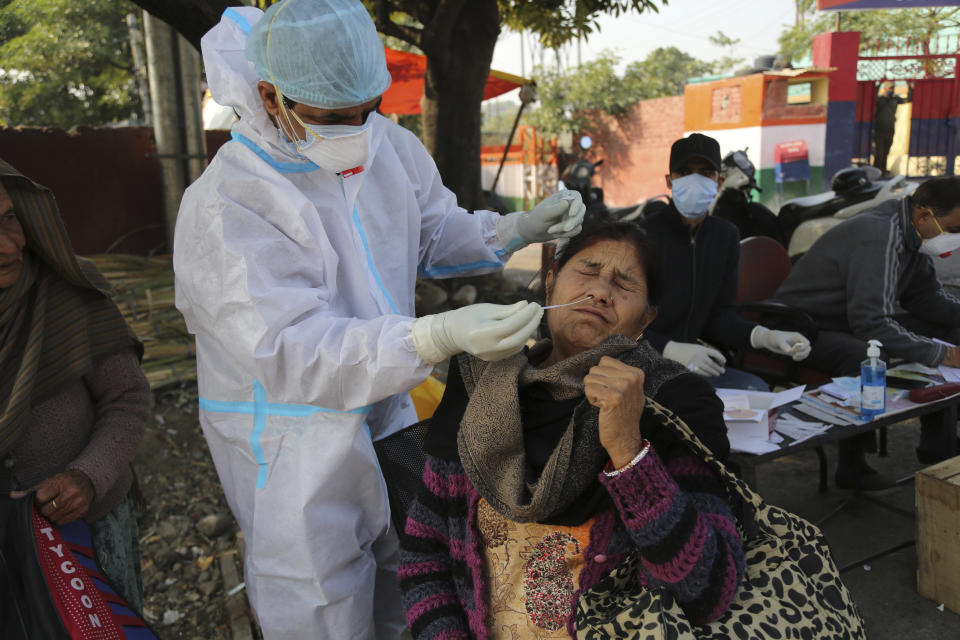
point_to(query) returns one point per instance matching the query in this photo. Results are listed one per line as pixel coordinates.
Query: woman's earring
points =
(639, 337)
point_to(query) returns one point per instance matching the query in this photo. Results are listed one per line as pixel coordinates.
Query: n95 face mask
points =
(693, 194)
(334, 147)
(941, 246)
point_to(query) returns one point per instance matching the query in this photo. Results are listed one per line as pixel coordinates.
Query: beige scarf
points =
(490, 440)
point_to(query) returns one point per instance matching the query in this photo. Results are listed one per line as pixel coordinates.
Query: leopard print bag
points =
(791, 587)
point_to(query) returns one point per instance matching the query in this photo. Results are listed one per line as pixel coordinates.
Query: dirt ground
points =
(183, 587)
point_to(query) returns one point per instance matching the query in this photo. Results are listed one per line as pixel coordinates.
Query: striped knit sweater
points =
(671, 507)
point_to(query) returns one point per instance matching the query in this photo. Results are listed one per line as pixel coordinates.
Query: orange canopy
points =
(407, 69)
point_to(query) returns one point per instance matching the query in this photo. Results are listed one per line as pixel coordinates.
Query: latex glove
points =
(489, 331)
(698, 358)
(787, 343)
(559, 216)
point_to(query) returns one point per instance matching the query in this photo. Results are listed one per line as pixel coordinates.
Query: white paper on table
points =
(748, 429)
(737, 401)
(746, 444)
(800, 430)
(916, 367)
(737, 407)
(761, 402)
(764, 400)
(795, 421)
(843, 388)
(950, 374)
(744, 415)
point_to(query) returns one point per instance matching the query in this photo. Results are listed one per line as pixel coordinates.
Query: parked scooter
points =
(854, 190)
(735, 203)
(800, 221)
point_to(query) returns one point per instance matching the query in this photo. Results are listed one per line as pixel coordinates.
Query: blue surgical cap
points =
(322, 53)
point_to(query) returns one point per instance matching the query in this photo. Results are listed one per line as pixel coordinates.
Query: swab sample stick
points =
(557, 306)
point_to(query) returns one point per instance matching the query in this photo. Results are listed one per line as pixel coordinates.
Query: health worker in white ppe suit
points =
(296, 255)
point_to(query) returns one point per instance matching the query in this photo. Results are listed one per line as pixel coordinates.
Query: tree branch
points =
(123, 67)
(386, 26)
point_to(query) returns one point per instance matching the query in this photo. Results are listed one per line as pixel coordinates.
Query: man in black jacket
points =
(699, 257)
(884, 123)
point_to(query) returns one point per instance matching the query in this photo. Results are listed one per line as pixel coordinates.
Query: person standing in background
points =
(885, 122)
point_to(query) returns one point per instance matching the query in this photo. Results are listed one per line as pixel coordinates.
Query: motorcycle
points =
(578, 176)
(801, 221)
(734, 202)
(853, 190)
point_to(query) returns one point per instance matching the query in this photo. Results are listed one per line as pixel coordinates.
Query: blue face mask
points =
(693, 194)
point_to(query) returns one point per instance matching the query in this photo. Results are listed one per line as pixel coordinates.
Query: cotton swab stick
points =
(557, 306)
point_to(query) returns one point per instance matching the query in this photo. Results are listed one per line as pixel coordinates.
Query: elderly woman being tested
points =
(73, 400)
(544, 471)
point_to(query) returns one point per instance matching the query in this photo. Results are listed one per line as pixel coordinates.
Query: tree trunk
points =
(190, 18)
(452, 95)
(166, 93)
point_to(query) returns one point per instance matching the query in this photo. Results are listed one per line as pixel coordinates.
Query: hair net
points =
(323, 53)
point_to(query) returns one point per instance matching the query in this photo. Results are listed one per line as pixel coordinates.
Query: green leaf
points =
(66, 63)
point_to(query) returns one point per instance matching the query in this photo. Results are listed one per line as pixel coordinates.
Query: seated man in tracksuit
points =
(852, 281)
(699, 257)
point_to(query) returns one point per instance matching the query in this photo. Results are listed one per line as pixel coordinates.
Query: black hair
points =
(603, 228)
(940, 194)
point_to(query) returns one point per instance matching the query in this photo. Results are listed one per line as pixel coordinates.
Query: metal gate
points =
(934, 68)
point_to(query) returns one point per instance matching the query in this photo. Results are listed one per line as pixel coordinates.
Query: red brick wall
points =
(106, 181)
(775, 104)
(636, 150)
(726, 105)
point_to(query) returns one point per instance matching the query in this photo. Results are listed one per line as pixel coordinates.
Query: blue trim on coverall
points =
(260, 409)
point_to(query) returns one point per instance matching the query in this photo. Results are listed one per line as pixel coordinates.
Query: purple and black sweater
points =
(671, 506)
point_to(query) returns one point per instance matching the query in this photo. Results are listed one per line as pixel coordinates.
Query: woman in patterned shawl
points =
(73, 400)
(545, 470)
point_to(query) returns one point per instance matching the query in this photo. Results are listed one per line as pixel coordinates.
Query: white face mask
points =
(334, 147)
(942, 245)
(693, 194)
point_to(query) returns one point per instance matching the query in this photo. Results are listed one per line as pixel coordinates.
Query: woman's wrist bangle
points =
(640, 456)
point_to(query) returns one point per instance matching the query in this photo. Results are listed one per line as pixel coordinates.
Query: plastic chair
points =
(764, 265)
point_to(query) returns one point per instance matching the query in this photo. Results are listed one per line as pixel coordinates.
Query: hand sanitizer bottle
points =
(873, 383)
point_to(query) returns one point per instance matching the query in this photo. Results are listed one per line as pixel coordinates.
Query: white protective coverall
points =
(298, 285)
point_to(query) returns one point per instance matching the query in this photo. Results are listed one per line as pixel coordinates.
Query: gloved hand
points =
(698, 358)
(489, 331)
(787, 343)
(559, 216)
